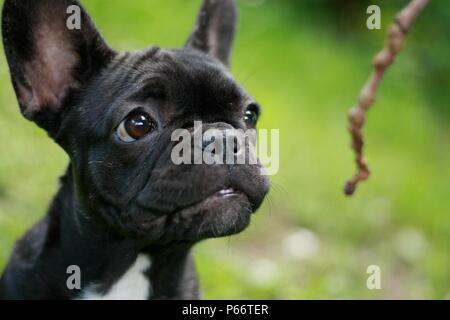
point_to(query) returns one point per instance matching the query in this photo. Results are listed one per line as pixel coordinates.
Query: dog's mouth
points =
(214, 202)
(229, 192)
(222, 213)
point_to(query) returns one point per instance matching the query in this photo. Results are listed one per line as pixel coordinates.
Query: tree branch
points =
(357, 116)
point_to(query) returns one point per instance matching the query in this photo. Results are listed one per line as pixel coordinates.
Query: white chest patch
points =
(133, 285)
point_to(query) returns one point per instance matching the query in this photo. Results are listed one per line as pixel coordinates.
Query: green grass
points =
(306, 78)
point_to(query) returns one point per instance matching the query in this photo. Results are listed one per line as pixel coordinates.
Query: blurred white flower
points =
(301, 244)
(410, 244)
(264, 271)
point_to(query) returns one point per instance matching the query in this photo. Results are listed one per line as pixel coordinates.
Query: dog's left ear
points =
(215, 29)
(53, 49)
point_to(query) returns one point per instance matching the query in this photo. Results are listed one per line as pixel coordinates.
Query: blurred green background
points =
(305, 62)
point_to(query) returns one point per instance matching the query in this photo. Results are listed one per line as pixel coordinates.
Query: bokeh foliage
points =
(305, 62)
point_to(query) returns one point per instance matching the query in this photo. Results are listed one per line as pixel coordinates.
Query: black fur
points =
(119, 200)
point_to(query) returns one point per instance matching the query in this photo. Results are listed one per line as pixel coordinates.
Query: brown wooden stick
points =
(357, 115)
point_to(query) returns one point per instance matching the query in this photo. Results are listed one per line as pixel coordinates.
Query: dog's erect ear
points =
(52, 48)
(215, 28)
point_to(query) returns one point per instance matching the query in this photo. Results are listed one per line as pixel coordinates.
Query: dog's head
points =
(115, 113)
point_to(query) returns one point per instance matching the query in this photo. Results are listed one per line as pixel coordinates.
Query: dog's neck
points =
(69, 236)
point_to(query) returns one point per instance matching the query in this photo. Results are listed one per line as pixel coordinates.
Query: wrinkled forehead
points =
(181, 74)
(176, 71)
(189, 74)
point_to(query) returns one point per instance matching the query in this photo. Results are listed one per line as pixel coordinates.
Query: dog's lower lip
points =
(224, 193)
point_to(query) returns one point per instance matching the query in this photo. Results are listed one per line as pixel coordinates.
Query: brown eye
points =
(135, 127)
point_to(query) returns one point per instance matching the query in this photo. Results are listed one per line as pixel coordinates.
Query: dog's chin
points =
(224, 213)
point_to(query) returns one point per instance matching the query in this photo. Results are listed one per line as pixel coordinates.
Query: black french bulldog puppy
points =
(125, 215)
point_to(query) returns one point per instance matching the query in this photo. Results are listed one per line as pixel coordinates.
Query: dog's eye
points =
(251, 115)
(135, 127)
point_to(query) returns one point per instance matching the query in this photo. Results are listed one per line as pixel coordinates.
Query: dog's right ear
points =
(215, 29)
(52, 48)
